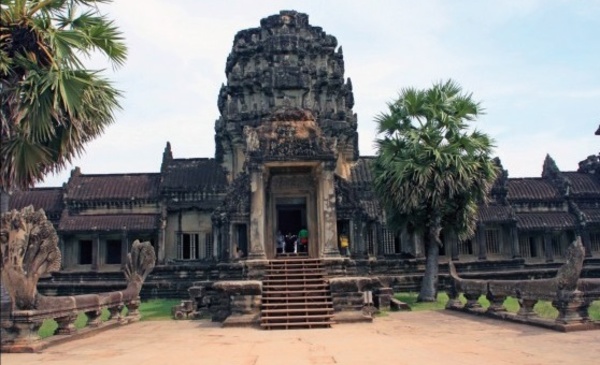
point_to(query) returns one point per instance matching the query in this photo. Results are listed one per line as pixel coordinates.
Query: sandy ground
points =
(429, 337)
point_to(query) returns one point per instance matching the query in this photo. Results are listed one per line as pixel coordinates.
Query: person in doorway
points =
(290, 243)
(280, 243)
(344, 243)
(303, 240)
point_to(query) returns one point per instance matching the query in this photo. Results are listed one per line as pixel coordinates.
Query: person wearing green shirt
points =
(303, 240)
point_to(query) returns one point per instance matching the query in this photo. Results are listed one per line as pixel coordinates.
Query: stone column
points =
(549, 252)
(514, 237)
(124, 248)
(328, 235)
(587, 242)
(61, 246)
(256, 247)
(452, 245)
(481, 242)
(96, 252)
(162, 234)
(359, 242)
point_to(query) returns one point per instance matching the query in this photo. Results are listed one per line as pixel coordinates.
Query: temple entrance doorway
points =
(291, 218)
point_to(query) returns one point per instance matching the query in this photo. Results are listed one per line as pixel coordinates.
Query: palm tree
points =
(50, 105)
(431, 172)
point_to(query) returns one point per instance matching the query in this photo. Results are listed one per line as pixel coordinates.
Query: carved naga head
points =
(28, 250)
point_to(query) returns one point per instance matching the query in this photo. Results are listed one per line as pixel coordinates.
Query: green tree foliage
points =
(50, 104)
(431, 170)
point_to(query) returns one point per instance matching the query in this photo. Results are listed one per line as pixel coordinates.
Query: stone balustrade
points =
(572, 305)
(20, 329)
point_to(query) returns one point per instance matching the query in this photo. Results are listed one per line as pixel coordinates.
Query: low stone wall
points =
(20, 327)
(173, 281)
(233, 302)
(353, 298)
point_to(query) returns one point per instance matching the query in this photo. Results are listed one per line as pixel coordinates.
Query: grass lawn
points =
(151, 310)
(543, 308)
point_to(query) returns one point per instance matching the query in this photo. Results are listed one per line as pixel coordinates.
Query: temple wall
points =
(190, 222)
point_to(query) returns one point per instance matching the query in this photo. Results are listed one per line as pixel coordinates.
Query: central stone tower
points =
(286, 129)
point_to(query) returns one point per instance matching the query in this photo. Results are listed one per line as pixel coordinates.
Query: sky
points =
(533, 64)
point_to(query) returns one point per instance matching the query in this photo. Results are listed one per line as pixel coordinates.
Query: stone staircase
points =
(295, 294)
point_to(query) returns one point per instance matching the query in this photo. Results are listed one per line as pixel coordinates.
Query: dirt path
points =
(401, 338)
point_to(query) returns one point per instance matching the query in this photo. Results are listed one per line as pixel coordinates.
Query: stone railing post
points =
(115, 312)
(24, 332)
(453, 294)
(66, 324)
(133, 313)
(472, 298)
(526, 307)
(496, 302)
(93, 316)
(569, 303)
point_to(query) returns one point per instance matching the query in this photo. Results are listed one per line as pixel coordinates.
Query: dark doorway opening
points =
(113, 252)
(242, 239)
(291, 219)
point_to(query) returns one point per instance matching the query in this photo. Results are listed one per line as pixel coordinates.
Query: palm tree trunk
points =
(429, 284)
(4, 198)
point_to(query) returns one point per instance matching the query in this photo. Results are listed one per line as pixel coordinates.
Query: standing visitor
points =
(303, 238)
(344, 242)
(280, 243)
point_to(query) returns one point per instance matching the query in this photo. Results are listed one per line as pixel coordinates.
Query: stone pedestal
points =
(568, 304)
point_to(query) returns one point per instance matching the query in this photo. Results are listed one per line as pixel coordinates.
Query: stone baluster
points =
(25, 332)
(133, 313)
(66, 324)
(94, 319)
(526, 307)
(115, 312)
(453, 294)
(569, 303)
(472, 298)
(496, 302)
(584, 309)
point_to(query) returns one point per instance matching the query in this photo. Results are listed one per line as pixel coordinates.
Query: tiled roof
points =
(593, 215)
(113, 187)
(361, 171)
(194, 174)
(583, 184)
(372, 208)
(531, 189)
(546, 220)
(49, 199)
(494, 213)
(116, 222)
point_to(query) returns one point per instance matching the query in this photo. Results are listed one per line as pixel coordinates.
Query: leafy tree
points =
(50, 104)
(431, 171)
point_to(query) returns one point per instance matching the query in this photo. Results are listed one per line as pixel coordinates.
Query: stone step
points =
(296, 317)
(297, 325)
(298, 299)
(292, 281)
(267, 312)
(293, 287)
(296, 295)
(303, 304)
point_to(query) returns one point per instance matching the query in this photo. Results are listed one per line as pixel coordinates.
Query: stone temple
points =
(287, 159)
